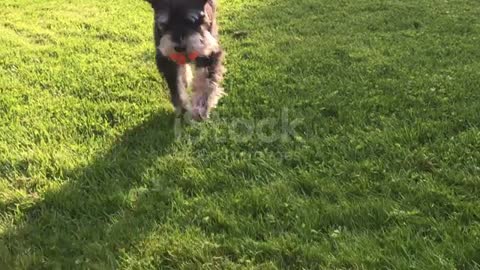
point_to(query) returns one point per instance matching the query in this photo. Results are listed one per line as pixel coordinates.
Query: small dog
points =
(186, 30)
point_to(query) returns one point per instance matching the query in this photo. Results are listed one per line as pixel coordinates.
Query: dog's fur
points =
(189, 26)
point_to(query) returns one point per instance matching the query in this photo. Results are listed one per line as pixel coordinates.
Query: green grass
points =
(383, 173)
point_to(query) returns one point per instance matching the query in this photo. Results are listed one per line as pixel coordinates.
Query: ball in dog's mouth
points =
(182, 59)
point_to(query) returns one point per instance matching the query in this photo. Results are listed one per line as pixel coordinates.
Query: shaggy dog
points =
(186, 33)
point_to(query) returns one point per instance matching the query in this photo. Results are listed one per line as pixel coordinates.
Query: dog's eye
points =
(162, 25)
(195, 17)
(162, 19)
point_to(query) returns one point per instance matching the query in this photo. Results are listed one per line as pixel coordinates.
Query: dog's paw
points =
(181, 110)
(200, 108)
(199, 113)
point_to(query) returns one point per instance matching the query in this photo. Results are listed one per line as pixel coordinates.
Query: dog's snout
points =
(180, 48)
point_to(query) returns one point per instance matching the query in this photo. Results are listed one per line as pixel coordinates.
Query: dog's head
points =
(184, 26)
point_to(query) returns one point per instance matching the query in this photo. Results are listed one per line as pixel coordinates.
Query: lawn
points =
(349, 139)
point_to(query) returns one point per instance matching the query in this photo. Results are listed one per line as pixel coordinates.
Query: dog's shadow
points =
(104, 207)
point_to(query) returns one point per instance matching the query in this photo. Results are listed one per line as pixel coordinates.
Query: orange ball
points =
(181, 59)
(193, 56)
(178, 58)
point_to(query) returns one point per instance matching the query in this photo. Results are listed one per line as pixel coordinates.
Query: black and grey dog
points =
(189, 28)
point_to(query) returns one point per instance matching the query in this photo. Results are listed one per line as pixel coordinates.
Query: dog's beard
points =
(202, 43)
(205, 44)
(167, 46)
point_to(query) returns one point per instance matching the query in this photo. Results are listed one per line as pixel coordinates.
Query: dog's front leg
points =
(177, 78)
(207, 89)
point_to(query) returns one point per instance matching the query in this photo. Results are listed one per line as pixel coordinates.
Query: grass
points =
(382, 173)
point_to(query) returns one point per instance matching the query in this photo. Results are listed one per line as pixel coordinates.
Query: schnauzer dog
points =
(186, 33)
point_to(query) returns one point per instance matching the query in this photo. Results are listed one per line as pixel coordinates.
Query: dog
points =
(186, 34)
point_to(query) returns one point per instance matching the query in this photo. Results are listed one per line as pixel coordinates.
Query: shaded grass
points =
(382, 173)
